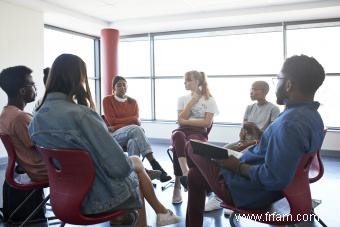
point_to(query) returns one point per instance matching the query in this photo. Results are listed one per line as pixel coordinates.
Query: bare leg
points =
(146, 187)
(177, 182)
(184, 166)
(177, 194)
(141, 212)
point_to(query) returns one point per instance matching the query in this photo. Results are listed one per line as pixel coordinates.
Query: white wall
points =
(21, 43)
(226, 134)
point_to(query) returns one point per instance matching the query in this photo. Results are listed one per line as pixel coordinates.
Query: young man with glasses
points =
(20, 88)
(256, 179)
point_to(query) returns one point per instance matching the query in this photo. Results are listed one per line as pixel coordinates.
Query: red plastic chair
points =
(71, 174)
(297, 201)
(12, 157)
(316, 169)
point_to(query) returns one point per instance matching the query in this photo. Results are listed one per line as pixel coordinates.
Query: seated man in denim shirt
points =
(257, 178)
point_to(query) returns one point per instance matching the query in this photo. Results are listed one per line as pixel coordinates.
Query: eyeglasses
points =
(30, 85)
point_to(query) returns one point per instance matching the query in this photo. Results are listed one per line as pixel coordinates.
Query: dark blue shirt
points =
(296, 131)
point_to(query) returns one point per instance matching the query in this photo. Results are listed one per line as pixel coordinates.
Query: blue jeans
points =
(133, 138)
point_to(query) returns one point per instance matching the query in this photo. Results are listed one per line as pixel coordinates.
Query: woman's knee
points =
(137, 163)
(178, 135)
(136, 130)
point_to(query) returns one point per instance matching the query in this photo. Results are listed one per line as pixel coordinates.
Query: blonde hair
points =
(202, 82)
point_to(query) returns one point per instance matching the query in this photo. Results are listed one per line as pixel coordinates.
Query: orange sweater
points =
(120, 114)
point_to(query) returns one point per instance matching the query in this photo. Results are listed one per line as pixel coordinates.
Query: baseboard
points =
(330, 153)
(167, 142)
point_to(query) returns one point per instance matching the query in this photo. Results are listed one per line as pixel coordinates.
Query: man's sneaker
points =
(227, 213)
(164, 177)
(153, 174)
(167, 218)
(213, 203)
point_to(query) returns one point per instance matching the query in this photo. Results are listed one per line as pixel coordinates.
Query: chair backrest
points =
(12, 157)
(316, 169)
(209, 129)
(298, 191)
(71, 174)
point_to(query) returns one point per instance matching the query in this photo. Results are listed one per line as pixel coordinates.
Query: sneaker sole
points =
(177, 202)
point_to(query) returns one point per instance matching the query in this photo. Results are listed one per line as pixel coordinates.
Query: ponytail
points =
(204, 86)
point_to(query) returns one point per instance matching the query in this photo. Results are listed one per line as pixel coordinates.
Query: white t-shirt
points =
(261, 115)
(200, 108)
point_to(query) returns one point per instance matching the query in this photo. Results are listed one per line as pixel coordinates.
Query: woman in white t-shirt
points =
(195, 115)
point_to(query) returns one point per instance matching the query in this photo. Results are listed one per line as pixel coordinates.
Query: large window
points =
(227, 59)
(134, 65)
(233, 54)
(232, 59)
(57, 41)
(323, 44)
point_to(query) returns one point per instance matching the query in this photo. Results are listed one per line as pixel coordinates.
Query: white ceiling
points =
(143, 16)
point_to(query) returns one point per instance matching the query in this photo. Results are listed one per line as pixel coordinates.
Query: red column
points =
(109, 59)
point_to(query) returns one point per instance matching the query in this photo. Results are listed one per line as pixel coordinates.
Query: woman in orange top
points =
(122, 115)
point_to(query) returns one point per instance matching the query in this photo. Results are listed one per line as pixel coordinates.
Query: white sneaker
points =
(213, 203)
(167, 218)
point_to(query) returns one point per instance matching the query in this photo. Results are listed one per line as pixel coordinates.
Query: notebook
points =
(212, 151)
(208, 150)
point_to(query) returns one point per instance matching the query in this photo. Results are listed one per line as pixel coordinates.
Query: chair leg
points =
(21, 204)
(231, 219)
(35, 211)
(316, 217)
(168, 185)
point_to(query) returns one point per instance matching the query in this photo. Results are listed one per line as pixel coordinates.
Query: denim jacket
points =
(60, 123)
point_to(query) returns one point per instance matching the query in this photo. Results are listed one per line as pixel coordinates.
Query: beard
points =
(281, 95)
